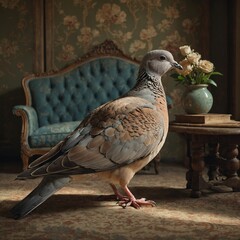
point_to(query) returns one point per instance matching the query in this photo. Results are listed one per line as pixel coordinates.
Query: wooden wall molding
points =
(234, 59)
(39, 36)
(49, 35)
(205, 23)
(44, 40)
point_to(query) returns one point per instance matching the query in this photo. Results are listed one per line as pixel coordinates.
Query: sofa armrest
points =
(29, 118)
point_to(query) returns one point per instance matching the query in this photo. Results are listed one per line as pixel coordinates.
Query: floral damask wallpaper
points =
(16, 61)
(16, 40)
(136, 26)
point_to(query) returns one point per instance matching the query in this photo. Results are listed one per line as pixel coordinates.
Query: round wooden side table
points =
(222, 142)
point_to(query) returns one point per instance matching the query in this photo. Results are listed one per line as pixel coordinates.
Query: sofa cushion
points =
(48, 136)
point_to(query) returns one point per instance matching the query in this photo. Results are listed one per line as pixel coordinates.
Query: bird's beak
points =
(176, 65)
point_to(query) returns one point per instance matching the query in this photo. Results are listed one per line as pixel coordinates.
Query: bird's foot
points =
(118, 195)
(136, 203)
(130, 200)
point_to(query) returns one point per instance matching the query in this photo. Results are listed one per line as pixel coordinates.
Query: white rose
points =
(187, 68)
(193, 57)
(185, 50)
(206, 66)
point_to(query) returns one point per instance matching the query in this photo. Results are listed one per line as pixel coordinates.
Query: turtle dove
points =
(114, 141)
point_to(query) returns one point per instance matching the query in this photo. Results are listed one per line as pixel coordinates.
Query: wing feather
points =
(116, 134)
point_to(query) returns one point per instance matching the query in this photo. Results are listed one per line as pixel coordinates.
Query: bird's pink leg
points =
(132, 201)
(118, 195)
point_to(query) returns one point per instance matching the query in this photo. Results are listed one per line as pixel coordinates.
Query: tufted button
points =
(48, 98)
(74, 94)
(129, 82)
(60, 97)
(73, 98)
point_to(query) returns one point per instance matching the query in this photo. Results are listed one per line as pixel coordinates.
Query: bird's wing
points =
(117, 133)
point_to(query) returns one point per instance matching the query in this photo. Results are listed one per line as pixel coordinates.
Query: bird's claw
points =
(136, 203)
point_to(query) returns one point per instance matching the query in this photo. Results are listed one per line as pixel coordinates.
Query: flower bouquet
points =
(195, 70)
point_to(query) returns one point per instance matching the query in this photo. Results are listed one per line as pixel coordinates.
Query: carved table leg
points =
(189, 172)
(230, 165)
(197, 165)
(212, 161)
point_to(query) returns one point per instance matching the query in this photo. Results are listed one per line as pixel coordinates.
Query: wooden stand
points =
(222, 136)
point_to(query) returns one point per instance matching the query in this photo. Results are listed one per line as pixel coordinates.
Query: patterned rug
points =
(78, 212)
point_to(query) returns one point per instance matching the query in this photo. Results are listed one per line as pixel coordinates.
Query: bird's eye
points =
(162, 57)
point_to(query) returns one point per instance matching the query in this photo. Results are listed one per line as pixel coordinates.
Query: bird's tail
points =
(47, 187)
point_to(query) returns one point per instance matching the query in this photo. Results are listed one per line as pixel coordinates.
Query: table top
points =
(228, 128)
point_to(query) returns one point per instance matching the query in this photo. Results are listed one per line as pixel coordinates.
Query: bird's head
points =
(158, 62)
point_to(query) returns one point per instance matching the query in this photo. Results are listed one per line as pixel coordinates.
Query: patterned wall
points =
(16, 60)
(137, 26)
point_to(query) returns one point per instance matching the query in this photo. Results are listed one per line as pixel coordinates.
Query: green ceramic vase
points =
(197, 99)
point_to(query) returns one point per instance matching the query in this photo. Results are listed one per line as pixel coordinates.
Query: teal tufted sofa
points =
(57, 102)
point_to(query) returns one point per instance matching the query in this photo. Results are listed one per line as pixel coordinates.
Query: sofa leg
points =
(156, 165)
(156, 162)
(25, 160)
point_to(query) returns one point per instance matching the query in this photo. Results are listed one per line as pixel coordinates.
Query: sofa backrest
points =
(70, 94)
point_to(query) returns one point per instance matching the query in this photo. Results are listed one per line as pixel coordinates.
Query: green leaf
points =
(180, 77)
(212, 82)
(216, 73)
(193, 81)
